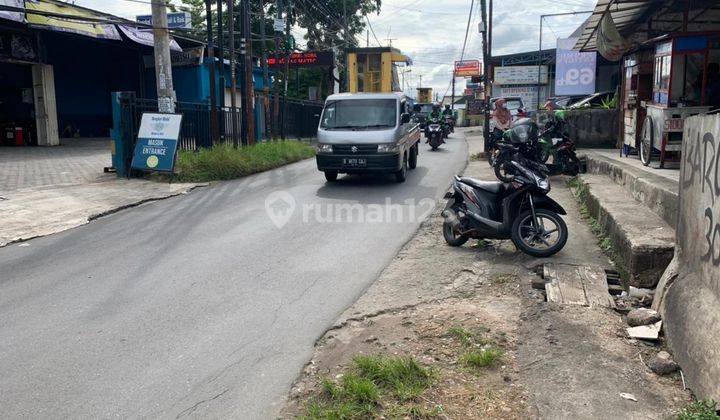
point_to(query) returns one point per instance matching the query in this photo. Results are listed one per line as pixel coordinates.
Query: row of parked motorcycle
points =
(516, 207)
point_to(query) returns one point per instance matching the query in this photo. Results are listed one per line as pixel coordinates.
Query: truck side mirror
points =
(404, 118)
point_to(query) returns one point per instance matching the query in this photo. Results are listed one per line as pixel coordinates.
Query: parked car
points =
(367, 133)
(594, 100)
(559, 102)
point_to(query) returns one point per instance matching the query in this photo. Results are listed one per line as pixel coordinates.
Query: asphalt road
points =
(199, 306)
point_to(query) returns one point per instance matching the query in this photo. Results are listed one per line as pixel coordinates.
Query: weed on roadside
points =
(370, 381)
(468, 338)
(700, 410)
(481, 358)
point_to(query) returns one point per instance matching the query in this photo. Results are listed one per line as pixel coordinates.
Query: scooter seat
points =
(494, 187)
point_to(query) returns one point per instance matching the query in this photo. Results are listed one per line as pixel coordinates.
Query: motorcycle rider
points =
(435, 117)
(447, 112)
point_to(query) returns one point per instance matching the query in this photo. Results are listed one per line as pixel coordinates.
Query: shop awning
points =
(88, 22)
(16, 16)
(144, 37)
(630, 18)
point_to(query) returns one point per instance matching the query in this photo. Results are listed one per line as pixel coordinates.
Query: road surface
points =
(199, 306)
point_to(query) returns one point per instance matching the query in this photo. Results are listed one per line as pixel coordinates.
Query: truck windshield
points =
(360, 114)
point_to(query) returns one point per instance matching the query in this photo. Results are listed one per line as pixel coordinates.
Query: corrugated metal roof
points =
(665, 16)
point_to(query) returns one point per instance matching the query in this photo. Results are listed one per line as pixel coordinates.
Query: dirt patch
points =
(444, 306)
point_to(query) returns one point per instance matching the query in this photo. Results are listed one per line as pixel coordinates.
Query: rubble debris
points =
(642, 316)
(662, 363)
(628, 396)
(645, 332)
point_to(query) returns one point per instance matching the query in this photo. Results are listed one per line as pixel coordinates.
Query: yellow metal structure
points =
(373, 69)
(424, 95)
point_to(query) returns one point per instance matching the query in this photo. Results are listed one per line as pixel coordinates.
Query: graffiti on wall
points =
(700, 189)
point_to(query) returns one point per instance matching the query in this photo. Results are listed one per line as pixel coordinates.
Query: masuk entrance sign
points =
(157, 142)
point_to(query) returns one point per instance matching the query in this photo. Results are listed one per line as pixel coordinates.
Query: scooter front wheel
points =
(541, 238)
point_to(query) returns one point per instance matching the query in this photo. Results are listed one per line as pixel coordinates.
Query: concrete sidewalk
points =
(38, 211)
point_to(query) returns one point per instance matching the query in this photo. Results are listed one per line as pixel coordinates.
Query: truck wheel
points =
(412, 161)
(331, 176)
(401, 175)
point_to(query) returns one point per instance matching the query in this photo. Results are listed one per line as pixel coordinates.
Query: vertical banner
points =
(574, 70)
(16, 16)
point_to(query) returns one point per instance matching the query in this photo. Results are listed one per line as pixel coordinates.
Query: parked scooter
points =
(435, 133)
(554, 142)
(520, 211)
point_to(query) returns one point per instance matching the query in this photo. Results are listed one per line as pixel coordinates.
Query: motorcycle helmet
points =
(523, 130)
(560, 114)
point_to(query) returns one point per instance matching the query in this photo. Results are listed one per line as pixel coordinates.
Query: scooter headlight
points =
(541, 182)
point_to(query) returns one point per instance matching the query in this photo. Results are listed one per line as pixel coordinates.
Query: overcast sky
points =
(432, 31)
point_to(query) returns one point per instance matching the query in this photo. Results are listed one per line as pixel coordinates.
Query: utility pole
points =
(486, 64)
(452, 97)
(221, 62)
(367, 38)
(249, 79)
(163, 65)
(233, 84)
(287, 66)
(390, 40)
(420, 83)
(266, 78)
(276, 83)
(211, 56)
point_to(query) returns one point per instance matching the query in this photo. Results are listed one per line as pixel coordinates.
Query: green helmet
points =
(560, 114)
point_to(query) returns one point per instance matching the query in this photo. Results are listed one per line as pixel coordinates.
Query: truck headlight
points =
(387, 148)
(324, 148)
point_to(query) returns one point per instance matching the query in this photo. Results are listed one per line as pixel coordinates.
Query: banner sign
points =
(467, 68)
(94, 30)
(279, 25)
(176, 20)
(16, 16)
(610, 44)
(520, 75)
(305, 59)
(157, 142)
(574, 71)
(527, 93)
(145, 37)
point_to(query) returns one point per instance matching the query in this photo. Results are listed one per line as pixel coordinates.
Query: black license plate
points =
(355, 162)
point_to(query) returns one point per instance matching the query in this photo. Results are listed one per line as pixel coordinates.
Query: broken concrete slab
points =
(642, 316)
(38, 211)
(645, 332)
(642, 240)
(577, 285)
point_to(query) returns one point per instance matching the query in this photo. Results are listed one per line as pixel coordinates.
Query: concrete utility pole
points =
(221, 62)
(286, 73)
(249, 87)
(276, 85)
(233, 83)
(266, 77)
(211, 56)
(486, 65)
(163, 65)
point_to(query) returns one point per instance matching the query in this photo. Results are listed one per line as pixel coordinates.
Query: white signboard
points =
(527, 93)
(160, 126)
(279, 25)
(574, 70)
(520, 75)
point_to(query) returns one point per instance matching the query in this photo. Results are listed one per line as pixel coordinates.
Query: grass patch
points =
(479, 359)
(469, 338)
(370, 380)
(700, 410)
(226, 162)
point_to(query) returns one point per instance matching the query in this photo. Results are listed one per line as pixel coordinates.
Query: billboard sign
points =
(574, 70)
(305, 59)
(176, 20)
(467, 68)
(520, 75)
(527, 93)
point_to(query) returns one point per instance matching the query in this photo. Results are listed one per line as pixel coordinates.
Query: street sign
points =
(279, 25)
(176, 20)
(520, 75)
(157, 142)
(467, 68)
